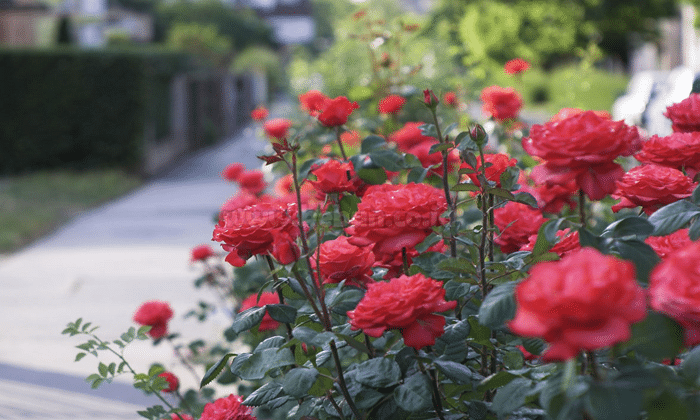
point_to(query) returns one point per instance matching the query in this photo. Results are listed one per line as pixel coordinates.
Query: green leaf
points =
(672, 217)
(696, 195)
(372, 143)
(666, 406)
(690, 368)
(282, 313)
(641, 254)
(455, 290)
(496, 380)
(513, 360)
(629, 226)
(312, 337)
(372, 176)
(467, 186)
(512, 396)
(694, 231)
(457, 265)
(414, 394)
(298, 381)
(387, 159)
(263, 395)
(214, 371)
(498, 307)
(80, 356)
(534, 345)
(525, 198)
(440, 147)
(306, 167)
(247, 319)
(257, 365)
(378, 372)
(348, 205)
(155, 370)
(509, 178)
(417, 175)
(457, 372)
(612, 403)
(102, 368)
(270, 343)
(428, 130)
(464, 142)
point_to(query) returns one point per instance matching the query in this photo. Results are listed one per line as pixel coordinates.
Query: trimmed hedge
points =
(80, 109)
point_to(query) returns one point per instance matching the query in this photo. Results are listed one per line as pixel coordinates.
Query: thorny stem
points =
(133, 372)
(445, 185)
(271, 264)
(435, 391)
(372, 354)
(590, 358)
(582, 208)
(341, 381)
(325, 318)
(335, 405)
(320, 294)
(404, 258)
(340, 143)
(183, 360)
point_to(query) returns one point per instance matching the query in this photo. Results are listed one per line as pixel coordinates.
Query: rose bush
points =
(400, 268)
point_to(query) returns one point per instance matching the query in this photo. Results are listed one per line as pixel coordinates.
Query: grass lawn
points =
(33, 205)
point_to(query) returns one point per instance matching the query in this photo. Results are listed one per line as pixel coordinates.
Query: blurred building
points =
(18, 21)
(291, 20)
(94, 21)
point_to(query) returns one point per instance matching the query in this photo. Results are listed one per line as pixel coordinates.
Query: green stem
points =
(271, 264)
(341, 381)
(435, 391)
(340, 143)
(582, 208)
(446, 187)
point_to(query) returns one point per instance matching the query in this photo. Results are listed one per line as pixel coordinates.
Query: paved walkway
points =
(101, 267)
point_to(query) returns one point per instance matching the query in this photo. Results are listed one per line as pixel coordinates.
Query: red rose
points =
(313, 102)
(685, 115)
(427, 159)
(259, 113)
(567, 241)
(501, 103)
(155, 314)
(335, 177)
(565, 113)
(391, 104)
(665, 245)
(259, 229)
(393, 217)
(201, 253)
(266, 298)
(407, 303)
(277, 127)
(351, 138)
(241, 200)
(233, 171)
(516, 222)
(340, 260)
(450, 99)
(516, 66)
(252, 181)
(679, 150)
(651, 187)
(429, 98)
(228, 408)
(409, 136)
(581, 147)
(337, 111)
(585, 301)
(550, 198)
(173, 382)
(499, 162)
(674, 288)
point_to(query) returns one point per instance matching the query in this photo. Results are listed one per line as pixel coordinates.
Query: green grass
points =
(36, 204)
(566, 87)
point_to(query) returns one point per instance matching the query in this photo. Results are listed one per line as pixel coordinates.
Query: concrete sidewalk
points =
(101, 267)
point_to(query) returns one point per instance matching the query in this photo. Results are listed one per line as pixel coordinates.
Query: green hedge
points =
(80, 109)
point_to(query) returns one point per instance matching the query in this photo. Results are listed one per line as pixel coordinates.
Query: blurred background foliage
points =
(578, 49)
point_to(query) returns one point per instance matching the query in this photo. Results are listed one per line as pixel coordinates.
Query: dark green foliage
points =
(80, 109)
